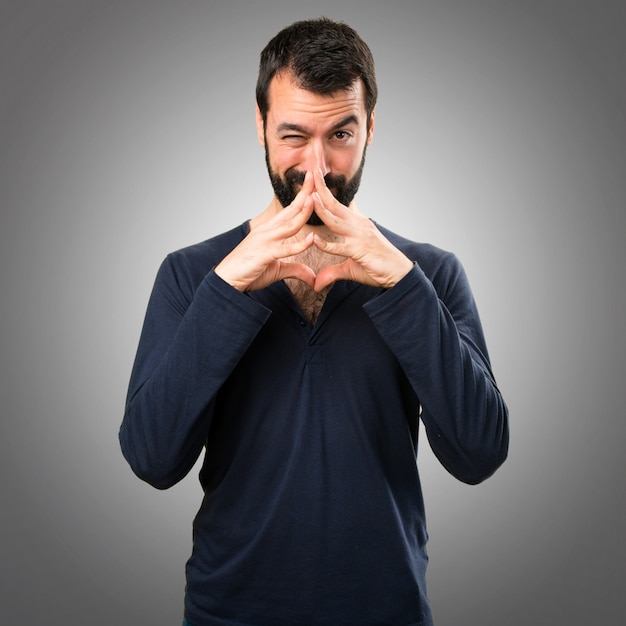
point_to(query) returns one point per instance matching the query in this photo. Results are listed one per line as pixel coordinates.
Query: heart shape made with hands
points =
(273, 251)
(319, 267)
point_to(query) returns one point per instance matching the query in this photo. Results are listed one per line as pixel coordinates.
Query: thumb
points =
(297, 270)
(333, 273)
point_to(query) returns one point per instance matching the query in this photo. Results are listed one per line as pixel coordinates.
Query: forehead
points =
(290, 103)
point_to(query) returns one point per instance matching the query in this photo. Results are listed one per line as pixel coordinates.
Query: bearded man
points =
(300, 350)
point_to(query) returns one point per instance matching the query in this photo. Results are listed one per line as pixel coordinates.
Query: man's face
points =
(306, 131)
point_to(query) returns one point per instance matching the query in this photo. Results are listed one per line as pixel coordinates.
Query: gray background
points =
(127, 131)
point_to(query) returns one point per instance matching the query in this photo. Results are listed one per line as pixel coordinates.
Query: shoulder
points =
(435, 262)
(444, 271)
(188, 266)
(211, 250)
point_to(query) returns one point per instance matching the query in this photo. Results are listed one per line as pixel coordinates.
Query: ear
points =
(370, 130)
(260, 127)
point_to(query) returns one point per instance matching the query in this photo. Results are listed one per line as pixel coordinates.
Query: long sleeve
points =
(430, 322)
(192, 339)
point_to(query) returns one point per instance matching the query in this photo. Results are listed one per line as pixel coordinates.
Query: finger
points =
(290, 219)
(326, 196)
(334, 214)
(305, 191)
(297, 270)
(309, 183)
(294, 224)
(323, 197)
(287, 222)
(331, 247)
(321, 187)
(331, 274)
(327, 212)
(292, 248)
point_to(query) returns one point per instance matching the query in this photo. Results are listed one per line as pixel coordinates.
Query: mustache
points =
(333, 181)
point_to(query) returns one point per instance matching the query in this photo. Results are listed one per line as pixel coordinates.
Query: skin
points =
(316, 134)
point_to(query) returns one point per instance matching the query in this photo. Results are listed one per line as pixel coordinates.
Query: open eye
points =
(342, 136)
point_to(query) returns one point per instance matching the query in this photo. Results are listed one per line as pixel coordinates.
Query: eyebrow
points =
(288, 126)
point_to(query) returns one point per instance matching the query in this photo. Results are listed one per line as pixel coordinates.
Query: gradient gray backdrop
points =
(127, 131)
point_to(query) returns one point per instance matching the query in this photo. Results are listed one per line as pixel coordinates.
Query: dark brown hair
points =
(324, 57)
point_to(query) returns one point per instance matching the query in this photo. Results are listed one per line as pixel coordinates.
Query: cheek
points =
(349, 163)
(282, 159)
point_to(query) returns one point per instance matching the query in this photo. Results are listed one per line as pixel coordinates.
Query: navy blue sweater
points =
(313, 511)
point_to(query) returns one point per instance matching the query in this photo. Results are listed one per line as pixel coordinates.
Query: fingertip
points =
(309, 181)
(319, 242)
(321, 282)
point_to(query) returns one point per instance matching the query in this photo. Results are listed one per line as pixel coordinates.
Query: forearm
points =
(173, 387)
(442, 353)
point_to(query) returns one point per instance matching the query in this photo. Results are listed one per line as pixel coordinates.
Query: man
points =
(300, 349)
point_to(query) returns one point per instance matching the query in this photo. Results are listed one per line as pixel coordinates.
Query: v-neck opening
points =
(338, 292)
(280, 293)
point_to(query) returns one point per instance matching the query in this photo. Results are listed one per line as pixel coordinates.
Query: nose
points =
(317, 158)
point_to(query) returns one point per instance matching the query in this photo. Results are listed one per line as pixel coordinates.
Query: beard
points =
(286, 190)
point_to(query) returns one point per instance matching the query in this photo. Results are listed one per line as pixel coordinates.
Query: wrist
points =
(403, 270)
(222, 273)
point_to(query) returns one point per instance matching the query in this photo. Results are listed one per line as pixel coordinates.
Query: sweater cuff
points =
(402, 295)
(234, 299)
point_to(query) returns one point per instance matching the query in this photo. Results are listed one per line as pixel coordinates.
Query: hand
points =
(371, 259)
(257, 261)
